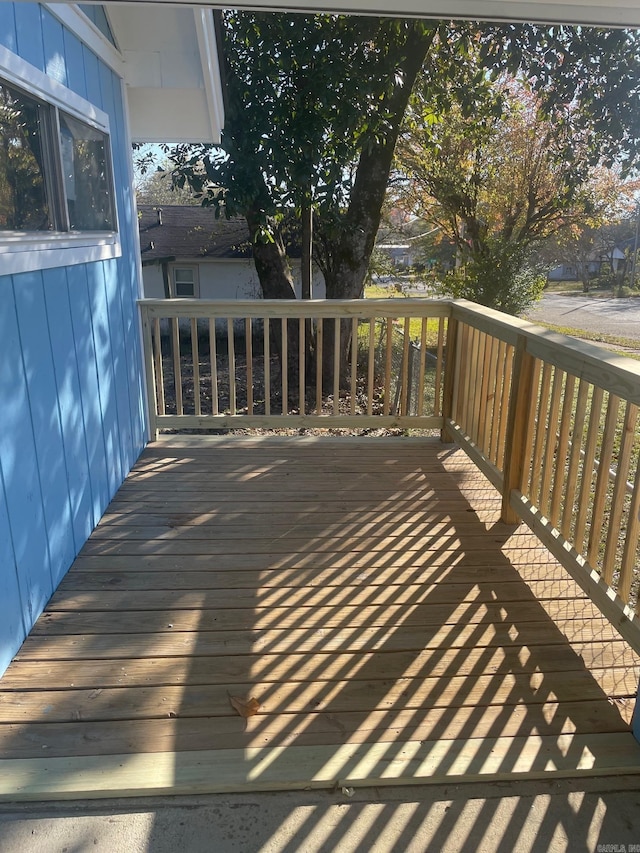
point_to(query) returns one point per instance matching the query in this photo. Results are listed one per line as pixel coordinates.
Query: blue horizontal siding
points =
(72, 421)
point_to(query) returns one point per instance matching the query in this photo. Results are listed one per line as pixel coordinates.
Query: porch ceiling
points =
(608, 13)
(362, 590)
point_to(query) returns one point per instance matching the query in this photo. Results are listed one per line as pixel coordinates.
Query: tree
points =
(500, 181)
(314, 105)
(158, 188)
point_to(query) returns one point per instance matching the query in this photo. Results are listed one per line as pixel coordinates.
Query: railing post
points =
(150, 374)
(451, 355)
(517, 441)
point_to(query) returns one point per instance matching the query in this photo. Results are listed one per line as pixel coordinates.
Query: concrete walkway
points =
(593, 816)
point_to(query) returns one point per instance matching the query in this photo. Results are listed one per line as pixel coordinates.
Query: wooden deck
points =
(362, 590)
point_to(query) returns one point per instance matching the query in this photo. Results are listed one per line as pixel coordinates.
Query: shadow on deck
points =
(363, 591)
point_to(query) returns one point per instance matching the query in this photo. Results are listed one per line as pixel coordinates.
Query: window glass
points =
(23, 193)
(98, 16)
(85, 169)
(184, 280)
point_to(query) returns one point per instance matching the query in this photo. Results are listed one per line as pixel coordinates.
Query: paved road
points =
(611, 316)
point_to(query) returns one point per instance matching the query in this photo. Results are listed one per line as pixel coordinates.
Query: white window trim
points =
(31, 251)
(196, 280)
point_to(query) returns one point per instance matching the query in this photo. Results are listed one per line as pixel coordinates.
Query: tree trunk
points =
(348, 258)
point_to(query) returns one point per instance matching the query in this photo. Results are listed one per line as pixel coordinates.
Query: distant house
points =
(188, 253)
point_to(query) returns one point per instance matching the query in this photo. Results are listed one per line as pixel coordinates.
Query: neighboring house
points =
(73, 416)
(403, 239)
(613, 260)
(187, 252)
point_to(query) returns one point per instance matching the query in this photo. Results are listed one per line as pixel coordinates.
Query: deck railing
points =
(550, 420)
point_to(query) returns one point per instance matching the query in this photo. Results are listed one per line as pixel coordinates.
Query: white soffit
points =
(607, 13)
(170, 70)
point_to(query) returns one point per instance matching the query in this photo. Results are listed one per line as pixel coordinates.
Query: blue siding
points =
(13, 626)
(29, 34)
(8, 36)
(20, 466)
(73, 417)
(45, 417)
(55, 62)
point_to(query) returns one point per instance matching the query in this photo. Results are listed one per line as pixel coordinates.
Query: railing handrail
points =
(615, 373)
(297, 308)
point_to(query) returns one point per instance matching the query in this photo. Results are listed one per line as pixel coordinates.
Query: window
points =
(57, 204)
(184, 282)
(54, 168)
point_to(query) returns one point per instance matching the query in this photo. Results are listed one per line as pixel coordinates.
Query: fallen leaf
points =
(245, 707)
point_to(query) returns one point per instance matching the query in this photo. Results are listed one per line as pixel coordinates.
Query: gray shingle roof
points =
(172, 231)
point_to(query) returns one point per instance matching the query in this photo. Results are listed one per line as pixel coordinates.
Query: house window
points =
(54, 168)
(185, 282)
(57, 203)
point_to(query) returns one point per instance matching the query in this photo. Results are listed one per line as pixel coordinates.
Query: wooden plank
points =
(125, 646)
(177, 370)
(614, 661)
(319, 766)
(334, 696)
(248, 337)
(257, 618)
(419, 531)
(70, 598)
(562, 449)
(295, 545)
(131, 736)
(182, 576)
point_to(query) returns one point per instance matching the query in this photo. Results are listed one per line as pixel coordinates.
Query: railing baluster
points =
(195, 361)
(248, 334)
(562, 450)
(266, 343)
(474, 372)
(213, 361)
(177, 370)
(496, 420)
(504, 405)
(550, 448)
(231, 351)
(619, 491)
(387, 367)
(422, 372)
(159, 372)
(602, 480)
(630, 551)
(518, 438)
(541, 431)
(574, 458)
(588, 466)
(371, 364)
(466, 368)
(354, 364)
(404, 373)
(319, 363)
(284, 371)
(483, 403)
(336, 366)
(439, 365)
(302, 350)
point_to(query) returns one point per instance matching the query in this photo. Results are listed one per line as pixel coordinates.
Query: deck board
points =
(363, 590)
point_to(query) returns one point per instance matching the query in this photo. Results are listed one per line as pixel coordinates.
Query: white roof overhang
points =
(171, 71)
